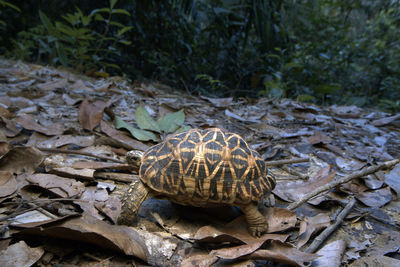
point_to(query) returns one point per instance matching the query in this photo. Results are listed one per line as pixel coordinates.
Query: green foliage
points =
(169, 123)
(334, 51)
(75, 42)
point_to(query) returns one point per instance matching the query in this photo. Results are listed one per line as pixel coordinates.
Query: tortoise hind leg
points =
(131, 201)
(256, 221)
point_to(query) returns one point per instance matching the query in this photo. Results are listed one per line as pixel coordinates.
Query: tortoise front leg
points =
(256, 221)
(131, 201)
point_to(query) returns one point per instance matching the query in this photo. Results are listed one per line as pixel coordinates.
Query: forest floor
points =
(63, 139)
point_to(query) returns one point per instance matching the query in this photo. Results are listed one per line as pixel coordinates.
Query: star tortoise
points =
(202, 168)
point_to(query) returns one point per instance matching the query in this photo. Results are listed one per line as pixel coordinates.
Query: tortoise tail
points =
(131, 201)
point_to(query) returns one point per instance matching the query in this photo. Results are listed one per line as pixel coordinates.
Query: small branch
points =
(73, 152)
(345, 179)
(286, 161)
(295, 173)
(116, 176)
(329, 230)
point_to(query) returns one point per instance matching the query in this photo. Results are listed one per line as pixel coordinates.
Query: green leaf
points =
(139, 134)
(144, 120)
(120, 11)
(125, 42)
(123, 30)
(172, 121)
(184, 128)
(46, 22)
(112, 3)
(100, 10)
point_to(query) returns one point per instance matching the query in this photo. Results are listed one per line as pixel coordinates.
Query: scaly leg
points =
(256, 221)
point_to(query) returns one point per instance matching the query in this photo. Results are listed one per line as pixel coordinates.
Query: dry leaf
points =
(21, 160)
(20, 254)
(62, 187)
(8, 184)
(28, 122)
(90, 230)
(90, 115)
(310, 225)
(392, 179)
(61, 140)
(331, 254)
(376, 198)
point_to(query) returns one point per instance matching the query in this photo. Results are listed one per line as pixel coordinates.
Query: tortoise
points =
(202, 168)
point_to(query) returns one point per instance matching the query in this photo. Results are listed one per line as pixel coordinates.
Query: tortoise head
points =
(134, 157)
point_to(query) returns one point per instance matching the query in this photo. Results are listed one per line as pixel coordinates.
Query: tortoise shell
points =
(203, 167)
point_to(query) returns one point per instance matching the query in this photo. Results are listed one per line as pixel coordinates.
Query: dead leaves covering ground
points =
(63, 138)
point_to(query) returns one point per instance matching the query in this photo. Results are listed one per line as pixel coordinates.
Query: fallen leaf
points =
(200, 259)
(278, 251)
(28, 122)
(11, 128)
(376, 198)
(8, 184)
(219, 102)
(90, 115)
(310, 225)
(81, 174)
(295, 190)
(20, 254)
(144, 120)
(61, 140)
(51, 85)
(319, 138)
(90, 230)
(392, 179)
(171, 122)
(62, 187)
(386, 120)
(376, 261)
(21, 160)
(139, 134)
(120, 138)
(4, 148)
(331, 254)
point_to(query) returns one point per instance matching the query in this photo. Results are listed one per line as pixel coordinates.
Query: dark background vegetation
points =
(322, 51)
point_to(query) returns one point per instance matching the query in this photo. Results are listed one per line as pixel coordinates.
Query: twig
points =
(286, 161)
(294, 172)
(361, 173)
(73, 152)
(116, 176)
(321, 238)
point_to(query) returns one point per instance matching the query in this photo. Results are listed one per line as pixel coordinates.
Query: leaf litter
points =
(63, 172)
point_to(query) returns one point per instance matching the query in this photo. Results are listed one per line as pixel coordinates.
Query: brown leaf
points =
(111, 207)
(60, 186)
(21, 160)
(20, 254)
(61, 140)
(384, 121)
(28, 122)
(278, 251)
(234, 232)
(319, 138)
(201, 259)
(11, 129)
(90, 230)
(310, 225)
(51, 85)
(295, 190)
(8, 184)
(122, 139)
(4, 148)
(219, 102)
(90, 115)
(376, 198)
(280, 219)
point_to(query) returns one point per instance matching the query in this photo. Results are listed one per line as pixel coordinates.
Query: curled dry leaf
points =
(278, 251)
(201, 259)
(280, 219)
(90, 230)
(8, 184)
(21, 160)
(62, 187)
(90, 115)
(331, 254)
(311, 225)
(28, 122)
(20, 254)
